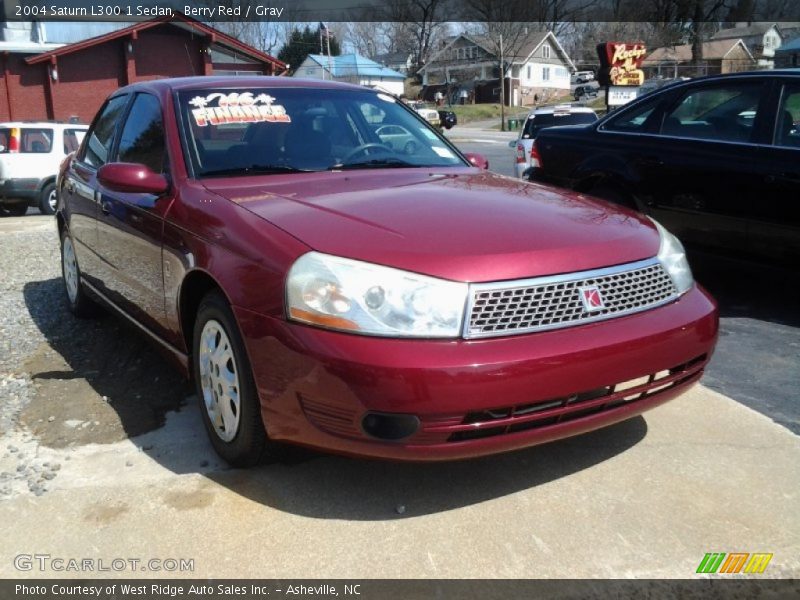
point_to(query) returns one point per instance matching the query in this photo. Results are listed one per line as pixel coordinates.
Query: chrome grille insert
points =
(539, 304)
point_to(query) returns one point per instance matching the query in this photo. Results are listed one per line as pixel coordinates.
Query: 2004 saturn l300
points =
(325, 288)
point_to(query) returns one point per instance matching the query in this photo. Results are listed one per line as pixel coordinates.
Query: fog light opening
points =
(389, 427)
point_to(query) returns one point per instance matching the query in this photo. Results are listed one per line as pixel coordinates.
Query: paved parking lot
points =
(101, 444)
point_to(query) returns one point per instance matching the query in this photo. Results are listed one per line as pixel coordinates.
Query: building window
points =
(529, 72)
(545, 51)
(545, 73)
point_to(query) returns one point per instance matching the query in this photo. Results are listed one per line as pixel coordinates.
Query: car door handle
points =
(70, 185)
(652, 161)
(105, 207)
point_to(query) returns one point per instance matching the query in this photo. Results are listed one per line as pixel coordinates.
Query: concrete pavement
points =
(646, 498)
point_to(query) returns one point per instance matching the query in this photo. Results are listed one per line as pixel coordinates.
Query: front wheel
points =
(225, 387)
(48, 199)
(79, 303)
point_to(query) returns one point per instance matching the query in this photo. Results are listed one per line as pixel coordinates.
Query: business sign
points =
(617, 95)
(621, 63)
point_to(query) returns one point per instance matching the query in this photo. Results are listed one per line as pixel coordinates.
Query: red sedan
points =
(325, 289)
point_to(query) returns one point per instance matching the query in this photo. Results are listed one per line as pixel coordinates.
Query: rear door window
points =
(635, 119)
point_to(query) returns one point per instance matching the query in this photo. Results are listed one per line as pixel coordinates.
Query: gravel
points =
(24, 301)
(31, 301)
(65, 382)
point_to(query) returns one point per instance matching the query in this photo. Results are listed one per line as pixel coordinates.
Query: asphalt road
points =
(757, 361)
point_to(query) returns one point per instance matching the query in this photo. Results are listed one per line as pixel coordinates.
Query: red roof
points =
(180, 20)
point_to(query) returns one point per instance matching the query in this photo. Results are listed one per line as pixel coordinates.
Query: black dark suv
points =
(715, 159)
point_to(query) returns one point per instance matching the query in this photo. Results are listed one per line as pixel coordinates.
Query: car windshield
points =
(541, 121)
(282, 130)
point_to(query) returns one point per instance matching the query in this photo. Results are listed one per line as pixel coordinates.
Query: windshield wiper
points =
(253, 169)
(375, 163)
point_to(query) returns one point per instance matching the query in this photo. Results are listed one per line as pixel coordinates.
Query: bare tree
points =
(425, 21)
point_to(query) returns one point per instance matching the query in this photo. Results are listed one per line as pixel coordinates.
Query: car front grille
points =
(539, 304)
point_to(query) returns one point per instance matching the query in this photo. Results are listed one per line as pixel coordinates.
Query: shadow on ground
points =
(87, 360)
(96, 380)
(757, 360)
(750, 290)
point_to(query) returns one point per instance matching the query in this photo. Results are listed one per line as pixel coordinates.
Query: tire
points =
(78, 302)
(48, 199)
(218, 356)
(410, 147)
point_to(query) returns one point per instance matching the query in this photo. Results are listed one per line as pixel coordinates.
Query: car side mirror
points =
(132, 178)
(477, 160)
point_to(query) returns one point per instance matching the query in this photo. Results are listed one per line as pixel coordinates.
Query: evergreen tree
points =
(305, 42)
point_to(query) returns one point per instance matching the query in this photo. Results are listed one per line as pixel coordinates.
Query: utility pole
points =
(328, 38)
(321, 50)
(502, 88)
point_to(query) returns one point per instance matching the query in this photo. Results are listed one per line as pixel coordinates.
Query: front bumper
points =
(474, 397)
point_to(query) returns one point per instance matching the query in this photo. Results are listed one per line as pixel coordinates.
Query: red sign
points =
(621, 62)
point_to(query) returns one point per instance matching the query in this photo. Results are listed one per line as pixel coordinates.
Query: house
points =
(352, 68)
(761, 39)
(719, 56)
(43, 81)
(402, 62)
(788, 55)
(540, 68)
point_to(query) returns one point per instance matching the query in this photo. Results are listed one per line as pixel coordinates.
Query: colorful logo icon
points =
(736, 562)
(591, 298)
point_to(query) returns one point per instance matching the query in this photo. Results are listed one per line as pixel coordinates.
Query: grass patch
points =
(468, 113)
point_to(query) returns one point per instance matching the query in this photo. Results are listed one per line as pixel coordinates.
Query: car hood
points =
(460, 223)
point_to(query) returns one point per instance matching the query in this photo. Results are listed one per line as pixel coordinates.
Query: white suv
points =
(541, 118)
(30, 154)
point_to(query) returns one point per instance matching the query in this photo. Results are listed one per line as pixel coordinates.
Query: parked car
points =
(447, 118)
(542, 118)
(397, 138)
(326, 290)
(427, 111)
(585, 92)
(715, 159)
(583, 77)
(30, 153)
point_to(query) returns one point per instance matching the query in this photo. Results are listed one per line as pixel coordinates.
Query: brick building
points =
(72, 81)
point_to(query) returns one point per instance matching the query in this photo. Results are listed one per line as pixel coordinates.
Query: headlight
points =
(673, 258)
(350, 295)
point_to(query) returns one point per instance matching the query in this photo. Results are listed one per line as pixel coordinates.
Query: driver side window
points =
(101, 136)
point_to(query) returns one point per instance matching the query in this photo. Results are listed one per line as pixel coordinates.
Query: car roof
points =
(218, 81)
(24, 124)
(546, 110)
